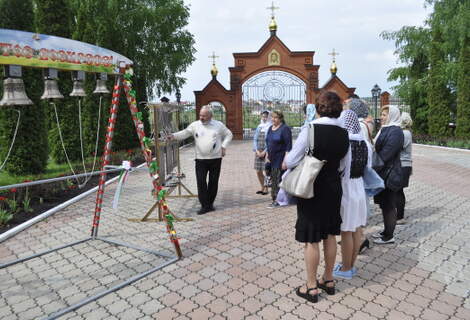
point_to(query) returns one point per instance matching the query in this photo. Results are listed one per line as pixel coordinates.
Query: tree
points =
(54, 17)
(412, 50)
(152, 34)
(30, 151)
(438, 92)
(463, 79)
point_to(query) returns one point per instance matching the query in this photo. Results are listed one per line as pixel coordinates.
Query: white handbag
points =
(299, 182)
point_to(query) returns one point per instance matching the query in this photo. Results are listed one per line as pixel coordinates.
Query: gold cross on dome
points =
(272, 8)
(213, 57)
(334, 54)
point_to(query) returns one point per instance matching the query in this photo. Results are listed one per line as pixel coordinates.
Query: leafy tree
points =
(432, 58)
(30, 151)
(412, 50)
(152, 34)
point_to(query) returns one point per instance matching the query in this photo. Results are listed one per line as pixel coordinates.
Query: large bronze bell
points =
(13, 87)
(14, 93)
(51, 89)
(101, 84)
(78, 89)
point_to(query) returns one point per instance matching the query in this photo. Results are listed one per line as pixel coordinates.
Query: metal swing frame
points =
(99, 200)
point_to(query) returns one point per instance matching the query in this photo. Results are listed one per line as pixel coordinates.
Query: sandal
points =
(307, 296)
(329, 290)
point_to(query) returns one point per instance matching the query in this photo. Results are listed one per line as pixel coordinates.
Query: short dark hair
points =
(329, 105)
(280, 115)
(353, 96)
(266, 112)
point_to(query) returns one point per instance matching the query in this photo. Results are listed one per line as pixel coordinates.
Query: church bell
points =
(101, 84)
(78, 78)
(51, 88)
(13, 88)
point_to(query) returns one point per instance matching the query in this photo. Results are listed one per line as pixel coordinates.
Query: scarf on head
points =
(394, 118)
(350, 121)
(310, 113)
(265, 124)
(406, 122)
(359, 107)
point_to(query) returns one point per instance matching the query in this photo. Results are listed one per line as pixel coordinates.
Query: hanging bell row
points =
(14, 90)
(51, 89)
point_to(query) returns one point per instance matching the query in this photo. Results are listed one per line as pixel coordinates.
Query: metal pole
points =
(33, 183)
(106, 155)
(115, 288)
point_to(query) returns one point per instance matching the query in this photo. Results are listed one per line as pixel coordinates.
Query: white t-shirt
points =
(209, 138)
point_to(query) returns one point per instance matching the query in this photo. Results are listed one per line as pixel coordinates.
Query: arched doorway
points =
(273, 90)
(218, 111)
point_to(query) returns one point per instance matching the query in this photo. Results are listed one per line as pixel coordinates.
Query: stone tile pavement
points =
(241, 261)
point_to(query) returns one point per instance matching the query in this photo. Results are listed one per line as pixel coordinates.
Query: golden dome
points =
(214, 70)
(333, 68)
(272, 25)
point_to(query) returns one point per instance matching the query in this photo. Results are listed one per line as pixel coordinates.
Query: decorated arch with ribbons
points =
(20, 49)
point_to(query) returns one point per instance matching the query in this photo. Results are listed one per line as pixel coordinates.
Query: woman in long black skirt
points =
(318, 218)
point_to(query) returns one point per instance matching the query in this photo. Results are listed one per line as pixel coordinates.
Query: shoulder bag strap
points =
(311, 137)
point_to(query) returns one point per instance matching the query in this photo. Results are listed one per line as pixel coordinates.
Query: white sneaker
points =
(378, 235)
(382, 241)
(402, 221)
(273, 205)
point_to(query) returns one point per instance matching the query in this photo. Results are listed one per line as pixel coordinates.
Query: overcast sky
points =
(352, 27)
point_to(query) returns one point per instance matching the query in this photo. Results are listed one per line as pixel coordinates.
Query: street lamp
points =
(178, 96)
(375, 95)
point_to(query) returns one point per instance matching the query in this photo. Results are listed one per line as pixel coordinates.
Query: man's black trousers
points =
(207, 191)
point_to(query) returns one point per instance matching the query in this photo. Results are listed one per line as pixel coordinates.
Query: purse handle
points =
(311, 138)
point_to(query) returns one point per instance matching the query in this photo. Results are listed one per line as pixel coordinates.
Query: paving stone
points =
(240, 261)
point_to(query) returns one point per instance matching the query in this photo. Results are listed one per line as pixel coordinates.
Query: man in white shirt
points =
(211, 138)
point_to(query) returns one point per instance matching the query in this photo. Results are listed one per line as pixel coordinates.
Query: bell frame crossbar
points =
(91, 58)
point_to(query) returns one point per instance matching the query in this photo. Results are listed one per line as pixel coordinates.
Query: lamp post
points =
(178, 96)
(375, 95)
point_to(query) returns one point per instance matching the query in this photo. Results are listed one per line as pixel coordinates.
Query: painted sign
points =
(44, 51)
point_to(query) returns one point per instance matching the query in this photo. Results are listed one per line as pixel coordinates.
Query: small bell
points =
(101, 84)
(78, 89)
(13, 88)
(51, 88)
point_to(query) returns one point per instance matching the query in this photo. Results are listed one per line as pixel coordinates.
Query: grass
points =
(53, 170)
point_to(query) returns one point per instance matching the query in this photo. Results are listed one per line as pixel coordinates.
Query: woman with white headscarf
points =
(353, 201)
(388, 145)
(259, 148)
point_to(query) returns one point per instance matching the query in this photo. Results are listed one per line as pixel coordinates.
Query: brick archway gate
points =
(274, 55)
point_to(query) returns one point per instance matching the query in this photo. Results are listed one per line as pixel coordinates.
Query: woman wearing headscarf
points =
(406, 165)
(259, 146)
(388, 145)
(319, 218)
(310, 112)
(353, 202)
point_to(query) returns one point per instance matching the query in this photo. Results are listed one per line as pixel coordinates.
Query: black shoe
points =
(365, 244)
(307, 296)
(211, 208)
(203, 210)
(329, 290)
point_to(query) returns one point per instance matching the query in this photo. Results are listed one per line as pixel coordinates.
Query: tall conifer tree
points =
(30, 151)
(438, 92)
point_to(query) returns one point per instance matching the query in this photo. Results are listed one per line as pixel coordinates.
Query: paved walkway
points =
(242, 262)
